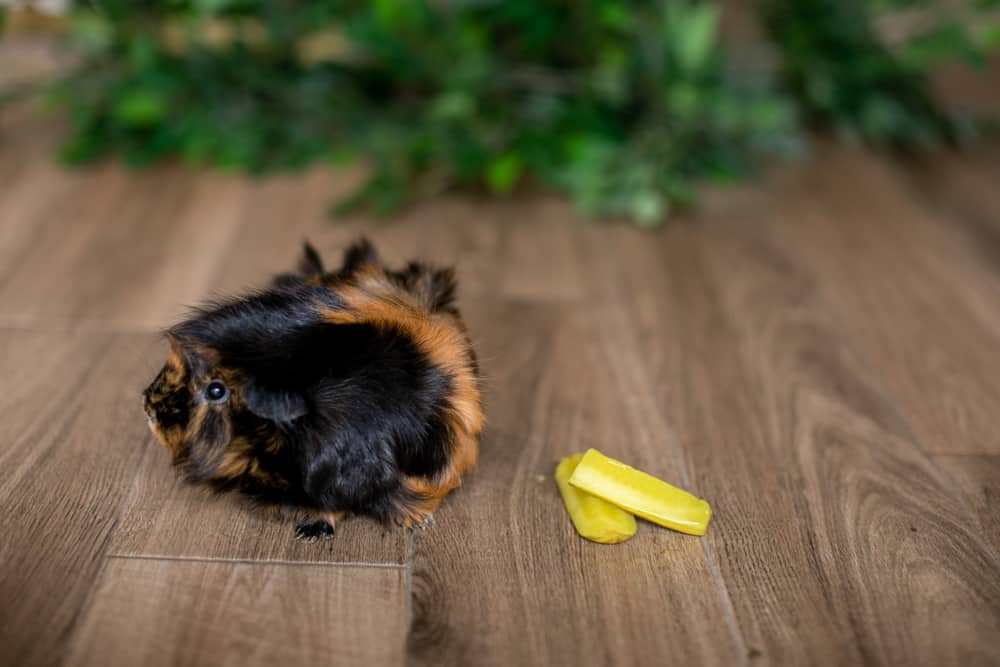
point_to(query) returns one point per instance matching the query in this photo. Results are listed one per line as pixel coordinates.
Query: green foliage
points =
(622, 104)
(847, 77)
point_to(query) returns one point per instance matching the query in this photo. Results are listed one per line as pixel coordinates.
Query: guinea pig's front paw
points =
(313, 531)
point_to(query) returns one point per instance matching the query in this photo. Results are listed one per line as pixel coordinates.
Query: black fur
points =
(314, 530)
(326, 416)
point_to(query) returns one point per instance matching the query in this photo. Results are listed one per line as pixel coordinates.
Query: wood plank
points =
(70, 440)
(918, 307)
(166, 517)
(26, 137)
(502, 578)
(34, 189)
(510, 248)
(124, 251)
(838, 539)
(163, 612)
(978, 478)
(539, 259)
(971, 88)
(960, 191)
(788, 358)
(279, 213)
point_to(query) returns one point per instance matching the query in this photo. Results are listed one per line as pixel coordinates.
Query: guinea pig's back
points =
(413, 370)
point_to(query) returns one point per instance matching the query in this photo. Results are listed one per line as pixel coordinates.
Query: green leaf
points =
(695, 35)
(503, 172)
(452, 105)
(142, 54)
(614, 15)
(941, 44)
(646, 208)
(139, 108)
(395, 14)
(210, 7)
(684, 99)
(989, 37)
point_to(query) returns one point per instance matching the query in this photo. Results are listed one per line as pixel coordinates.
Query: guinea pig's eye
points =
(216, 392)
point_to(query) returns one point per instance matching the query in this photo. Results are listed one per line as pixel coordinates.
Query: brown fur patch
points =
(173, 370)
(428, 493)
(373, 299)
(172, 438)
(236, 460)
(274, 444)
(440, 336)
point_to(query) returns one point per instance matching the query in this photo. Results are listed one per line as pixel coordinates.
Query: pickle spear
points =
(641, 494)
(594, 519)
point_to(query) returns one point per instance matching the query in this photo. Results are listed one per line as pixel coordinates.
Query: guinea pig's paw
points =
(415, 520)
(314, 530)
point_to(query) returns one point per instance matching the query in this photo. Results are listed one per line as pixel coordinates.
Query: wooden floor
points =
(818, 357)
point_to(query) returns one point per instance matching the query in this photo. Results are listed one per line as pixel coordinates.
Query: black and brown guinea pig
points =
(350, 391)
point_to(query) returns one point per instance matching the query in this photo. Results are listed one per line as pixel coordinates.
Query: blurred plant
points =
(623, 104)
(620, 104)
(850, 76)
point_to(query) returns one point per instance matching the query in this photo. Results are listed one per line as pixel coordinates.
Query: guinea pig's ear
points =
(273, 403)
(197, 358)
(359, 254)
(310, 264)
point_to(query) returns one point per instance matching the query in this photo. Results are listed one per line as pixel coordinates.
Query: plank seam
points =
(249, 561)
(727, 604)
(408, 584)
(729, 612)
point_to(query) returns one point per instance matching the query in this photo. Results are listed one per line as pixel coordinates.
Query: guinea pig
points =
(349, 391)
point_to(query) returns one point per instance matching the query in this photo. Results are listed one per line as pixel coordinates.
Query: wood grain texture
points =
(502, 578)
(978, 478)
(163, 612)
(830, 521)
(906, 293)
(277, 215)
(34, 191)
(809, 356)
(69, 445)
(539, 259)
(280, 213)
(227, 526)
(521, 250)
(960, 192)
(113, 250)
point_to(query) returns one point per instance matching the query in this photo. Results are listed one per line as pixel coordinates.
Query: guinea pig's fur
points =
(352, 391)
